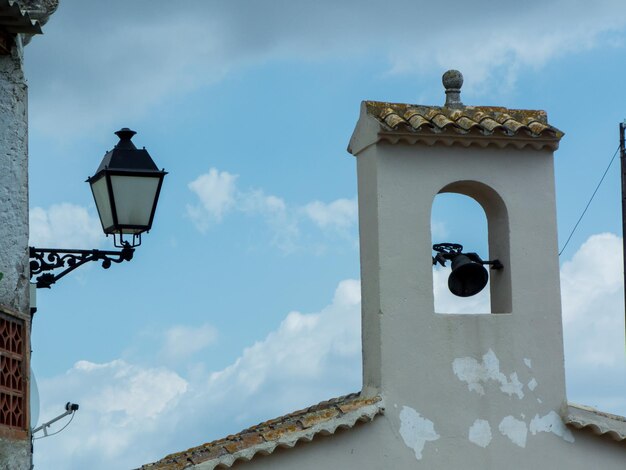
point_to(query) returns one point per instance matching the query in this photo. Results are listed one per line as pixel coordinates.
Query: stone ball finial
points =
(453, 81)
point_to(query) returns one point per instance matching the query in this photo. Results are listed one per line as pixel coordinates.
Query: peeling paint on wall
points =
(528, 363)
(515, 430)
(480, 433)
(512, 387)
(532, 385)
(553, 423)
(476, 375)
(416, 430)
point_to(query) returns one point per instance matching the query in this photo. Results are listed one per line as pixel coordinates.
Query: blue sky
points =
(243, 301)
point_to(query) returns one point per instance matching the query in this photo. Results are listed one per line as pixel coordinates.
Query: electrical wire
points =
(589, 203)
(57, 432)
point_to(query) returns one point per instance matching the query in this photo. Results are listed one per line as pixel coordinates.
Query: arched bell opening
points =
(469, 230)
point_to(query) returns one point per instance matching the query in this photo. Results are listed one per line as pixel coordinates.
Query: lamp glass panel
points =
(134, 198)
(103, 203)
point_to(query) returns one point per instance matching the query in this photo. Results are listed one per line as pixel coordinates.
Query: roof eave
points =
(389, 122)
(365, 132)
(13, 20)
(286, 431)
(348, 421)
(449, 139)
(600, 423)
(368, 132)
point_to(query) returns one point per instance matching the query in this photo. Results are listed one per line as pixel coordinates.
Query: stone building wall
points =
(13, 184)
(15, 446)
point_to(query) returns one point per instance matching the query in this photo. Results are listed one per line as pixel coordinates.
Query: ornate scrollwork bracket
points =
(49, 259)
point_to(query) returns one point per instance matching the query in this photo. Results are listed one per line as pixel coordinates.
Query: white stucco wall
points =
(405, 340)
(379, 446)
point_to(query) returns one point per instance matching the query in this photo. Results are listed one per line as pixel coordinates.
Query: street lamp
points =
(126, 189)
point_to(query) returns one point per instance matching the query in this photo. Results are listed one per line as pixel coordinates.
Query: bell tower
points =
(501, 369)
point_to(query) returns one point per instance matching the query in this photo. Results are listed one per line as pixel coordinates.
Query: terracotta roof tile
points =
(452, 124)
(466, 123)
(242, 441)
(502, 124)
(311, 419)
(537, 127)
(391, 118)
(285, 431)
(416, 120)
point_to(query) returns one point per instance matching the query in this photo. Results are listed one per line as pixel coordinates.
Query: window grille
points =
(12, 383)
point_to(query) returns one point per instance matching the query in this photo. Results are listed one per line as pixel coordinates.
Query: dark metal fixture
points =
(70, 409)
(126, 190)
(469, 275)
(49, 259)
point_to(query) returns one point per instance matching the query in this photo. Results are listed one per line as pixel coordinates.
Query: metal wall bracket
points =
(49, 259)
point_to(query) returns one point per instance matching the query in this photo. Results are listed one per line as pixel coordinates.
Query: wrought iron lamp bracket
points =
(43, 260)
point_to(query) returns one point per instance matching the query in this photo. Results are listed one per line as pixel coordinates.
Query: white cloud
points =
(64, 225)
(137, 393)
(218, 195)
(439, 230)
(216, 192)
(278, 216)
(492, 55)
(257, 201)
(130, 415)
(183, 341)
(209, 40)
(593, 307)
(340, 214)
(303, 348)
(119, 404)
